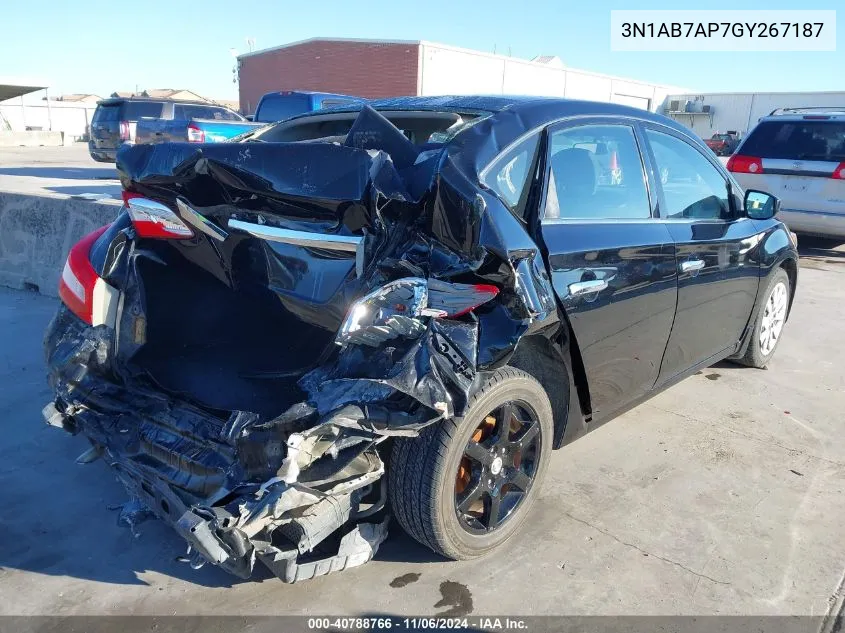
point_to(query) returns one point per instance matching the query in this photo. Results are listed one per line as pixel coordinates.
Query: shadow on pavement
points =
(56, 518)
(99, 191)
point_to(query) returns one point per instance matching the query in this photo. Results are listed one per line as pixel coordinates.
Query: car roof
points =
(118, 100)
(536, 111)
(816, 117)
(282, 93)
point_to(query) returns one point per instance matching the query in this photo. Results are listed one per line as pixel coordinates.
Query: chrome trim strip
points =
(145, 204)
(649, 220)
(344, 243)
(804, 211)
(200, 222)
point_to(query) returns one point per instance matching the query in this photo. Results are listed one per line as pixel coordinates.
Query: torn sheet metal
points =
(229, 399)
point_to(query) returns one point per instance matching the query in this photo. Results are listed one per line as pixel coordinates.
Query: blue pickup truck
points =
(194, 123)
(278, 106)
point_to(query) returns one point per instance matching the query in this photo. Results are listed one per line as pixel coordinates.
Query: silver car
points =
(798, 155)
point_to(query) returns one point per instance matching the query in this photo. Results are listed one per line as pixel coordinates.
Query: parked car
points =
(798, 155)
(116, 122)
(399, 309)
(277, 106)
(723, 144)
(193, 123)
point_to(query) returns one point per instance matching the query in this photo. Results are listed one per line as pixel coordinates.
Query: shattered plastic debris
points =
(132, 514)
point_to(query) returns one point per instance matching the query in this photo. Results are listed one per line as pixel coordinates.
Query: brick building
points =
(389, 68)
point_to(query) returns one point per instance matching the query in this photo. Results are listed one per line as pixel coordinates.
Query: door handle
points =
(586, 287)
(692, 265)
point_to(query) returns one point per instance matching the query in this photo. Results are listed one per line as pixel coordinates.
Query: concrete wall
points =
(31, 139)
(451, 70)
(36, 233)
(71, 118)
(741, 111)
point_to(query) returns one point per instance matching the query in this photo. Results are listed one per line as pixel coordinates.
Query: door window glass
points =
(134, 110)
(508, 174)
(692, 186)
(596, 172)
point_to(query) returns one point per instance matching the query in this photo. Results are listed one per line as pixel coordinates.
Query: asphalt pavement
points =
(723, 495)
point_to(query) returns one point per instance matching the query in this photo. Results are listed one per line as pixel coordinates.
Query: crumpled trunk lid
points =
(220, 396)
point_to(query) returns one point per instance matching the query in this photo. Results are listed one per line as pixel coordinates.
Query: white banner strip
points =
(723, 30)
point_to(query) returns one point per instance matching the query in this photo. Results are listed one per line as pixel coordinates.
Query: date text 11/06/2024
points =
(417, 624)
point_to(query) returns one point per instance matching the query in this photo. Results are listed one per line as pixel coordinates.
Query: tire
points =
(759, 354)
(425, 471)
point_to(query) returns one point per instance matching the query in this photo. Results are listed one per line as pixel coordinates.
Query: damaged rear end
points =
(243, 342)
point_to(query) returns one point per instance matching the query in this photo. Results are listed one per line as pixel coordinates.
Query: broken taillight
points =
(455, 300)
(83, 291)
(396, 308)
(153, 219)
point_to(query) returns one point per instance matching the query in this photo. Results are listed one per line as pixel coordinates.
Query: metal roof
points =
(11, 87)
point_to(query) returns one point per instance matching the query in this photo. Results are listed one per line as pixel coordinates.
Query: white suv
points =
(798, 155)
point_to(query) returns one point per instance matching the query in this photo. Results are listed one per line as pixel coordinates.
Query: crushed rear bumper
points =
(298, 493)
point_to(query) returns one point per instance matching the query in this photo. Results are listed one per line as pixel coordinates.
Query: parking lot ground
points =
(63, 171)
(723, 495)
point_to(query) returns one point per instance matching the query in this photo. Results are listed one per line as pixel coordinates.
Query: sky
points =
(103, 46)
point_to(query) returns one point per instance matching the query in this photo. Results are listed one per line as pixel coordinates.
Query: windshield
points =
(797, 140)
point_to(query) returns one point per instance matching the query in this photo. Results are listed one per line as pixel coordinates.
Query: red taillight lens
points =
(153, 219)
(124, 130)
(76, 287)
(839, 172)
(745, 164)
(195, 134)
(455, 300)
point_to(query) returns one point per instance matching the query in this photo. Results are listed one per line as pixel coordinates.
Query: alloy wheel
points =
(774, 316)
(498, 467)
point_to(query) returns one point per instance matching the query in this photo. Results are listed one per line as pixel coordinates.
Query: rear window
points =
(203, 112)
(107, 113)
(280, 107)
(335, 102)
(134, 110)
(797, 140)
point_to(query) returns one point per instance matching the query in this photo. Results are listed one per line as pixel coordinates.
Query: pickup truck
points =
(723, 144)
(194, 123)
(278, 106)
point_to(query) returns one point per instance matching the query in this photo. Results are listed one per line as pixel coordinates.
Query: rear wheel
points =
(464, 486)
(771, 316)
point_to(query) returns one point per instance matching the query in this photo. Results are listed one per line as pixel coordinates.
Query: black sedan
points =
(399, 309)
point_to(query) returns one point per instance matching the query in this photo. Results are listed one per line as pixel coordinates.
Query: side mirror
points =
(760, 205)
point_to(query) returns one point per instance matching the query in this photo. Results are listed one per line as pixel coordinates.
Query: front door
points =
(612, 264)
(715, 247)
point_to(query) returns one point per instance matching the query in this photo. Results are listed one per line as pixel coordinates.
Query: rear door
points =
(612, 264)
(105, 126)
(133, 111)
(802, 160)
(716, 251)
